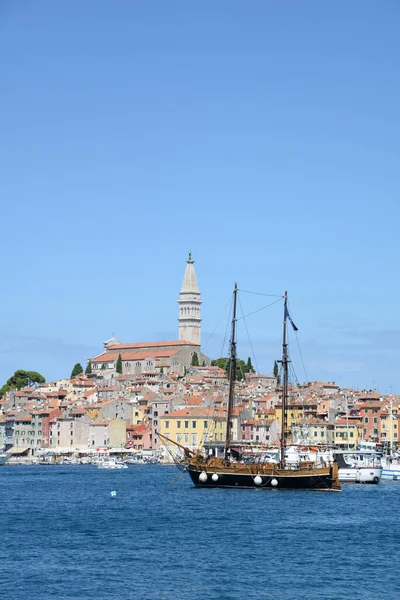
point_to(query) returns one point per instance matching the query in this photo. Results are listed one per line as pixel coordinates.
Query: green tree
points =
(118, 366)
(276, 372)
(103, 367)
(162, 371)
(21, 379)
(195, 360)
(204, 363)
(224, 363)
(249, 366)
(77, 370)
(88, 370)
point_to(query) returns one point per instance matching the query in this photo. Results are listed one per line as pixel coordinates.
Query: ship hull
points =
(315, 479)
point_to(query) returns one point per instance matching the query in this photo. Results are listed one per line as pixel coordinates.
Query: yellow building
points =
(389, 427)
(93, 411)
(193, 426)
(296, 412)
(117, 429)
(348, 432)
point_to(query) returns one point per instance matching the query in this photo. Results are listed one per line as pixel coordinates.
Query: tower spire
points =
(189, 305)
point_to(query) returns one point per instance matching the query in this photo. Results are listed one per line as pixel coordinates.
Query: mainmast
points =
(232, 375)
(284, 384)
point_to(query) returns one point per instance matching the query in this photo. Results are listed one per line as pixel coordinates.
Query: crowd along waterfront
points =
(77, 532)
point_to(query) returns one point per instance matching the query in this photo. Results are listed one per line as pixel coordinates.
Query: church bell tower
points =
(189, 306)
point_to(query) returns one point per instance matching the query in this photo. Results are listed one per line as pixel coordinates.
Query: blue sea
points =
(65, 536)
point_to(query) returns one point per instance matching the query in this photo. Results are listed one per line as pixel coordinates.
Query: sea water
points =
(65, 535)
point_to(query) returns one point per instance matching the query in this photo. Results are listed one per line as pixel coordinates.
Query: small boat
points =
(112, 463)
(358, 466)
(391, 467)
(3, 458)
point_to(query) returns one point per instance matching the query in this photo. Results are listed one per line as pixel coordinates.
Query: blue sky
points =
(263, 136)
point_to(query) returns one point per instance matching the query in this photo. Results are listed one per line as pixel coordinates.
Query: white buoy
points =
(203, 477)
(215, 477)
(113, 493)
(274, 482)
(257, 480)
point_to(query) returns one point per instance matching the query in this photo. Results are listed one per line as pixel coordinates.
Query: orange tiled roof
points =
(152, 344)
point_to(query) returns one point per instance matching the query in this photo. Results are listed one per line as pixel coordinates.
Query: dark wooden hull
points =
(324, 479)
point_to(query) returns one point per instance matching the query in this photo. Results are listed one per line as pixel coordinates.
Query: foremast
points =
(232, 376)
(285, 362)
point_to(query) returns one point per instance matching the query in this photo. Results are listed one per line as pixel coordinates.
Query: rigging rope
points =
(247, 331)
(298, 346)
(260, 309)
(260, 294)
(218, 322)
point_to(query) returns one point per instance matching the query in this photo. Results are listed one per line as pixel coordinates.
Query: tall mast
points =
(284, 384)
(232, 374)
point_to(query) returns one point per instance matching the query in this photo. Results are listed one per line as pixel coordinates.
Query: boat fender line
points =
(257, 480)
(376, 479)
(203, 477)
(274, 482)
(214, 477)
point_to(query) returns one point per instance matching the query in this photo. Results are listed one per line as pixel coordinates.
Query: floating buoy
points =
(203, 477)
(215, 477)
(113, 493)
(257, 480)
(274, 482)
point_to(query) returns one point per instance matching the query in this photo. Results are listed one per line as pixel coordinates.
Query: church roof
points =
(111, 356)
(141, 345)
(189, 285)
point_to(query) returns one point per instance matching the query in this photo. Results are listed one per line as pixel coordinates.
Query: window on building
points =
(166, 424)
(193, 424)
(186, 424)
(375, 420)
(186, 437)
(365, 419)
(366, 410)
(315, 433)
(194, 438)
(205, 424)
(178, 424)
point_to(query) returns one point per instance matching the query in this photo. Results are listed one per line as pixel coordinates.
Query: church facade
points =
(173, 356)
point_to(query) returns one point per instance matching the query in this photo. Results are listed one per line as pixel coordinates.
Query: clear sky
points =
(264, 136)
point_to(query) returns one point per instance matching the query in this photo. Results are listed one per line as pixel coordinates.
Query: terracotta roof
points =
(131, 356)
(142, 345)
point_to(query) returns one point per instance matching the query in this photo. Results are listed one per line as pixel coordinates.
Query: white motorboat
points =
(358, 467)
(391, 467)
(112, 463)
(3, 458)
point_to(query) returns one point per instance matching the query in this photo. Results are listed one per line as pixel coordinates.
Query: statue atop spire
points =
(189, 305)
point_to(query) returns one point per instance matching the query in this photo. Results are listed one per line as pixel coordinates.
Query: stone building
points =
(174, 356)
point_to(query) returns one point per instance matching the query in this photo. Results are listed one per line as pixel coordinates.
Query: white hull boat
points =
(3, 459)
(112, 463)
(391, 469)
(359, 467)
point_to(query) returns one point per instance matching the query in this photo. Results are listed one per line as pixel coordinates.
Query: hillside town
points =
(133, 392)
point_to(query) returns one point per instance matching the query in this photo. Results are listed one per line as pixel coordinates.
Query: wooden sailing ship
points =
(235, 471)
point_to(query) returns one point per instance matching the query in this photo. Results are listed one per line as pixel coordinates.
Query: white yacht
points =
(112, 463)
(358, 466)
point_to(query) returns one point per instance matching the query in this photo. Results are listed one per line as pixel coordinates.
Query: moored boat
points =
(234, 470)
(358, 467)
(112, 463)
